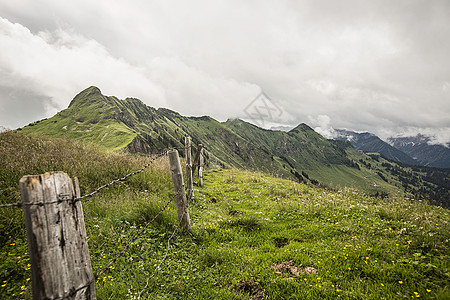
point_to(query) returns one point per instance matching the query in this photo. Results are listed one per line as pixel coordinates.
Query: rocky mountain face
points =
(423, 151)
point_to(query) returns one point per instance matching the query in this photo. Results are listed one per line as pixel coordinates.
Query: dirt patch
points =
(289, 267)
(249, 287)
(235, 212)
(280, 241)
(299, 240)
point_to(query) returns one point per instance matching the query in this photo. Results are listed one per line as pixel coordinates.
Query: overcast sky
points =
(378, 66)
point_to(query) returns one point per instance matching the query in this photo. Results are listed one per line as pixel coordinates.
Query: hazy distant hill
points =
(426, 154)
(300, 154)
(369, 142)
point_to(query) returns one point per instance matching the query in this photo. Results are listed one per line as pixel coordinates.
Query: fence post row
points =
(189, 175)
(56, 234)
(178, 186)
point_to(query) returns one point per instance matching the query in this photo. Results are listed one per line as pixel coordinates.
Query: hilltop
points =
(300, 154)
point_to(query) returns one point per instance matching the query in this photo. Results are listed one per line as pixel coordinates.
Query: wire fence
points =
(64, 197)
(121, 253)
(68, 197)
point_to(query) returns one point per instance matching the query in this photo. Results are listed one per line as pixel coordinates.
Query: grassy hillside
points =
(129, 124)
(300, 154)
(254, 236)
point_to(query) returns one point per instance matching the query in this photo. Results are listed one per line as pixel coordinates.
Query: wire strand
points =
(160, 263)
(62, 199)
(73, 292)
(132, 240)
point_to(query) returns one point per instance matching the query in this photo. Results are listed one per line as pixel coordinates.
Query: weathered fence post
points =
(196, 160)
(178, 186)
(200, 166)
(59, 254)
(189, 179)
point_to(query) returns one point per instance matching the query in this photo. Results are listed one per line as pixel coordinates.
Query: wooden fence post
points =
(178, 187)
(59, 254)
(200, 166)
(189, 179)
(196, 160)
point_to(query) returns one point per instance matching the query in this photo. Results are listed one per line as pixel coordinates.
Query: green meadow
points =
(253, 236)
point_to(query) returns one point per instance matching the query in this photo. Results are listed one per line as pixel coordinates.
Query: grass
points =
(245, 225)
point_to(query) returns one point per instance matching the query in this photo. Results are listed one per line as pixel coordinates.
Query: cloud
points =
(440, 136)
(376, 66)
(323, 126)
(59, 64)
(21, 105)
(195, 92)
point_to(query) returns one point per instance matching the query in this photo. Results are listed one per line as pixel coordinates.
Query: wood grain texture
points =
(178, 186)
(56, 236)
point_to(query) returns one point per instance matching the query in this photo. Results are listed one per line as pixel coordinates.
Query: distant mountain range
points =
(369, 142)
(425, 153)
(408, 150)
(300, 154)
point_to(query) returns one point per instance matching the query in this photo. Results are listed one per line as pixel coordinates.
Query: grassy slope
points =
(305, 150)
(243, 223)
(89, 119)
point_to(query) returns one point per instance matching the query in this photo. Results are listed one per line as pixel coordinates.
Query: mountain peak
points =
(301, 127)
(88, 94)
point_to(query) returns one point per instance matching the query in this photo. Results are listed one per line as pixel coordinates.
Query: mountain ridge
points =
(300, 154)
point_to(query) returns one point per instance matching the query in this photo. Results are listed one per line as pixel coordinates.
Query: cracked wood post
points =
(59, 254)
(200, 166)
(178, 187)
(189, 175)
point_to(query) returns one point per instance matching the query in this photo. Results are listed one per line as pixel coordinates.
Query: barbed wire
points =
(165, 255)
(73, 292)
(16, 204)
(123, 178)
(68, 197)
(133, 239)
(160, 263)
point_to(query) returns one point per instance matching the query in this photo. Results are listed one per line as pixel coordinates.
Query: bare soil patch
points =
(289, 267)
(249, 287)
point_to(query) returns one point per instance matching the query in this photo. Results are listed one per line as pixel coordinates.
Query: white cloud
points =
(446, 87)
(59, 64)
(323, 126)
(375, 66)
(438, 136)
(195, 92)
